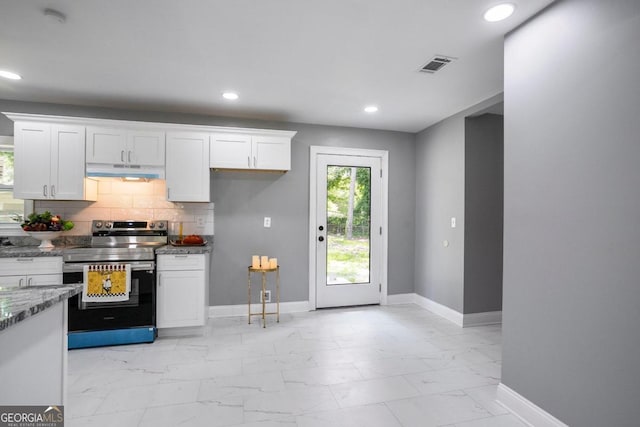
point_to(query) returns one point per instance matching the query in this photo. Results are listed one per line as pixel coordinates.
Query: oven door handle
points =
(79, 267)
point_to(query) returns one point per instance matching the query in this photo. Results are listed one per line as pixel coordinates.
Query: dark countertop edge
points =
(66, 292)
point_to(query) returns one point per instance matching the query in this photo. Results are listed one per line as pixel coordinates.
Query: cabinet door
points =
(231, 151)
(32, 161)
(12, 281)
(67, 162)
(180, 299)
(187, 171)
(44, 280)
(106, 145)
(271, 153)
(145, 148)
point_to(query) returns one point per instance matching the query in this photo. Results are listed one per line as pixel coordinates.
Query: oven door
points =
(139, 310)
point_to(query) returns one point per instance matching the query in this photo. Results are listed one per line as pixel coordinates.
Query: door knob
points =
(321, 239)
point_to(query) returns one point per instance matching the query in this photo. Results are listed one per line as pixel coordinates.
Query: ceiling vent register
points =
(436, 63)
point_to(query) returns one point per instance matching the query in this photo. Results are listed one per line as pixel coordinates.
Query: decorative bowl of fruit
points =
(45, 227)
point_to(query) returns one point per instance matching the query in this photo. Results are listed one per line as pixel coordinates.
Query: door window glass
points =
(348, 224)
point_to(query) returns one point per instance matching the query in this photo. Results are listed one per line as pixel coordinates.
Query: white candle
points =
(264, 261)
(273, 262)
(255, 261)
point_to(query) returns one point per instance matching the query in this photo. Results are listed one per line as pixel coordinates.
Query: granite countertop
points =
(16, 304)
(171, 250)
(29, 251)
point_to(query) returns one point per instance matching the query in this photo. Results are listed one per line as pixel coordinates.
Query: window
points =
(10, 208)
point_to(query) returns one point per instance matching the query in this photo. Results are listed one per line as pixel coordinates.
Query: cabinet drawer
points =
(30, 266)
(12, 281)
(181, 262)
(44, 279)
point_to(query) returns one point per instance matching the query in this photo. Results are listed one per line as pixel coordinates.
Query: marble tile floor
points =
(370, 366)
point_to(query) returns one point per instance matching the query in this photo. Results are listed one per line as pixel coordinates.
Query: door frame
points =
(383, 155)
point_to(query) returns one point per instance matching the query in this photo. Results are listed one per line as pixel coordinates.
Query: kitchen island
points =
(33, 344)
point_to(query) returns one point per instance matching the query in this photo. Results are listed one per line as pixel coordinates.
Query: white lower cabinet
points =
(30, 271)
(182, 296)
(33, 361)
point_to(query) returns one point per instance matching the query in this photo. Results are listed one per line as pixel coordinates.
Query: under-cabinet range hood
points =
(124, 171)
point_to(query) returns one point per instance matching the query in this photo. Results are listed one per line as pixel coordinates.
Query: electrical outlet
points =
(200, 220)
(267, 222)
(267, 296)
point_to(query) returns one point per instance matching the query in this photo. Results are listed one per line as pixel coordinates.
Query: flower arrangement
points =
(45, 222)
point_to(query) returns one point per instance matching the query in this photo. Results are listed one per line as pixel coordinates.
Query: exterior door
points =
(348, 230)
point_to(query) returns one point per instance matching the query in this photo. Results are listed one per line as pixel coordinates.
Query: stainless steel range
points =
(116, 244)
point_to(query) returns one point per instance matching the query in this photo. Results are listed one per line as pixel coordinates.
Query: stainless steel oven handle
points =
(79, 267)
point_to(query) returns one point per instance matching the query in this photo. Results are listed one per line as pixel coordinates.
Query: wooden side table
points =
(262, 313)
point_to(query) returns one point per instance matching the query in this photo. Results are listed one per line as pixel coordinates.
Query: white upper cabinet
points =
(55, 154)
(271, 152)
(49, 162)
(231, 151)
(251, 151)
(106, 145)
(125, 147)
(146, 148)
(187, 171)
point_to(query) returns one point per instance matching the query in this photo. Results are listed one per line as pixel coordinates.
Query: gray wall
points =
(571, 311)
(483, 207)
(242, 200)
(440, 195)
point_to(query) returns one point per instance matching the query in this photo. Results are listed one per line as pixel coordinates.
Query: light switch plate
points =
(267, 222)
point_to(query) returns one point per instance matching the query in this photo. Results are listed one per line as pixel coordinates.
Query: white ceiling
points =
(304, 61)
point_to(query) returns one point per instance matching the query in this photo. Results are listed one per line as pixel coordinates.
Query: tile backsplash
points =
(120, 200)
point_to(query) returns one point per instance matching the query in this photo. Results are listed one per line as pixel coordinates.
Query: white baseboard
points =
(401, 299)
(241, 309)
(439, 309)
(481, 319)
(526, 410)
(462, 320)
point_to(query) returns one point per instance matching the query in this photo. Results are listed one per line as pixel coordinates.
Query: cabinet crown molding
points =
(130, 124)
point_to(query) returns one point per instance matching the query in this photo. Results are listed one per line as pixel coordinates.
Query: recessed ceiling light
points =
(9, 75)
(499, 12)
(230, 96)
(370, 109)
